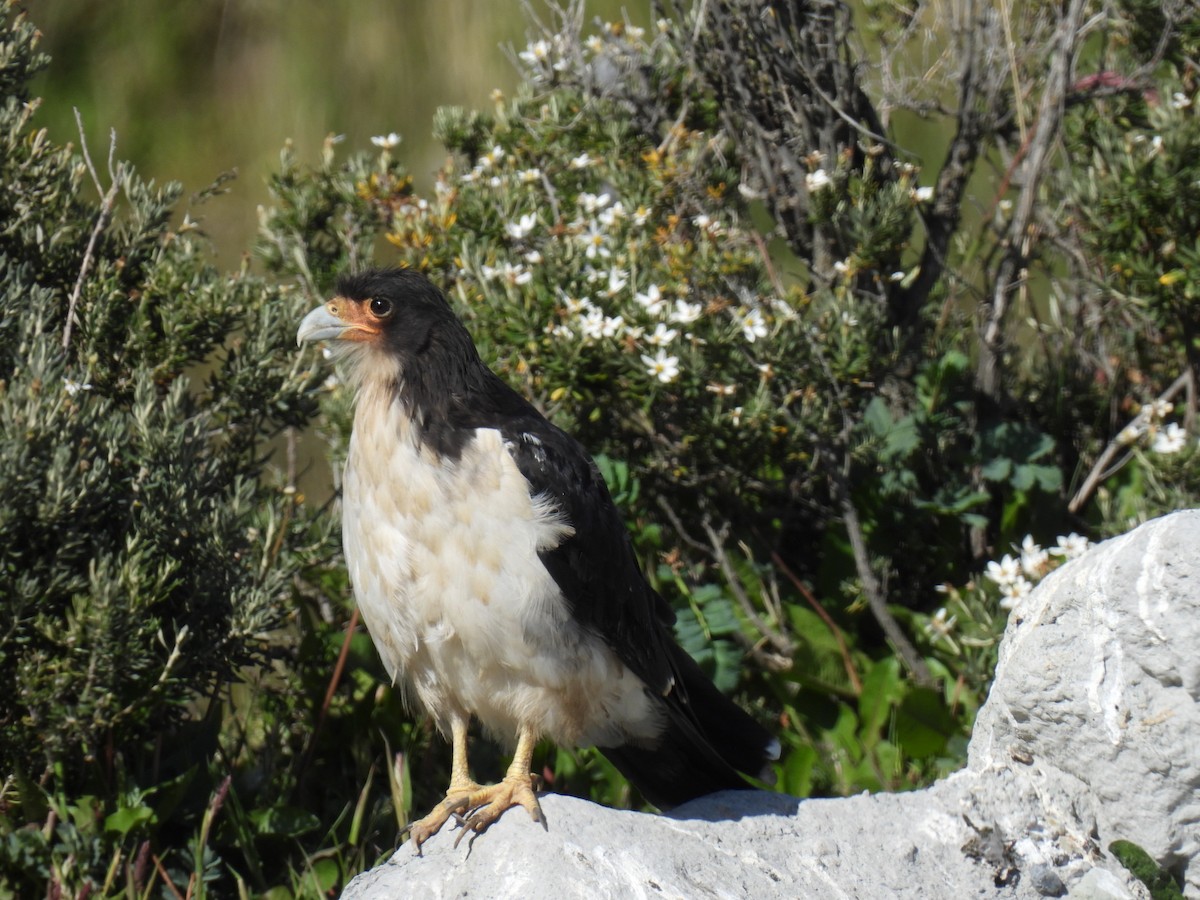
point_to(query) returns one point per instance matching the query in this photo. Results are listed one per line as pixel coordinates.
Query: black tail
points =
(708, 739)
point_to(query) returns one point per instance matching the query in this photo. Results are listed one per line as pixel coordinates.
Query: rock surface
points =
(1091, 734)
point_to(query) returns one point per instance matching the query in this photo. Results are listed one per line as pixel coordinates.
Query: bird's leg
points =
(458, 795)
(518, 788)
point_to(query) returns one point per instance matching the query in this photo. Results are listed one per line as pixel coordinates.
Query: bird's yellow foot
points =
(490, 803)
(457, 802)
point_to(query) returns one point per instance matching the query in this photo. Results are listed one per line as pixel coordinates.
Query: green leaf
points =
(923, 724)
(129, 818)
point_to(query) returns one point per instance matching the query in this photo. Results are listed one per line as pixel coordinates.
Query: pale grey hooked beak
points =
(320, 325)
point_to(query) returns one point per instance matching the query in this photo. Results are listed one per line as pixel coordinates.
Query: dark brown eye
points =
(381, 307)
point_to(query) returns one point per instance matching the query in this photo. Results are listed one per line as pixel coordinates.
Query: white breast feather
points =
(443, 557)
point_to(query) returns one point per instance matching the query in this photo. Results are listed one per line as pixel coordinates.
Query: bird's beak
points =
(339, 319)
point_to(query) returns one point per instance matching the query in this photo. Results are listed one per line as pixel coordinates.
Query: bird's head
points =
(393, 325)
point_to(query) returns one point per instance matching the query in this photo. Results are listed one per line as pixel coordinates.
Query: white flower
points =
(616, 282)
(634, 32)
(1170, 440)
(533, 257)
(591, 325)
(1071, 546)
(1131, 432)
(595, 242)
(707, 224)
(641, 214)
(754, 326)
(923, 194)
(848, 319)
(664, 368)
(74, 387)
(1004, 572)
(652, 301)
(491, 158)
(582, 161)
(1034, 558)
(685, 313)
(1159, 409)
(536, 53)
(1180, 100)
(591, 202)
(595, 43)
(613, 326)
(721, 390)
(386, 141)
(735, 416)
(662, 335)
(529, 176)
(841, 267)
(817, 180)
(562, 331)
(939, 625)
(1012, 593)
(576, 306)
(520, 228)
(609, 217)
(512, 274)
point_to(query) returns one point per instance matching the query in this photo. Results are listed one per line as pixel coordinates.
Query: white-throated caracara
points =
(495, 575)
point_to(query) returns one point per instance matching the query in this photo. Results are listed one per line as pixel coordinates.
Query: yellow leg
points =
(517, 788)
(481, 805)
(458, 794)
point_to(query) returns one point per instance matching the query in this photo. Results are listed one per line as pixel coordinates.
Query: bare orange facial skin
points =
(361, 323)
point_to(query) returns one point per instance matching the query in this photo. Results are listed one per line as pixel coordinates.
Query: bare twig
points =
(108, 200)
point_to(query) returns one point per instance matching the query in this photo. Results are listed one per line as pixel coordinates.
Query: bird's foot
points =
(489, 803)
(457, 802)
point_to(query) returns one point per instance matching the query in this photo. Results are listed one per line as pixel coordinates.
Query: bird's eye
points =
(381, 307)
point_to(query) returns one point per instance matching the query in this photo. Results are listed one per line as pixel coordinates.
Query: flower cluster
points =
(1151, 428)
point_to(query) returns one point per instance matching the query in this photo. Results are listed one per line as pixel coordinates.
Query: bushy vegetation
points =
(846, 394)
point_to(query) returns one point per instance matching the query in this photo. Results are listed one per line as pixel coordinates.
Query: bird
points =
(496, 576)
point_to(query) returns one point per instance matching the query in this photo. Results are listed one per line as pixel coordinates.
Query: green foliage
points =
(1157, 879)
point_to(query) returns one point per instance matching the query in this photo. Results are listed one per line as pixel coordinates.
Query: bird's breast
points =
(443, 557)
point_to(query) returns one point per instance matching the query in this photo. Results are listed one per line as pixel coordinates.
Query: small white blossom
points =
(685, 313)
(707, 224)
(1180, 100)
(923, 194)
(634, 32)
(595, 43)
(386, 141)
(591, 324)
(939, 625)
(1159, 409)
(640, 215)
(74, 387)
(817, 180)
(611, 216)
(1034, 558)
(613, 326)
(1070, 546)
(1130, 433)
(735, 416)
(1170, 440)
(521, 228)
(591, 202)
(848, 319)
(582, 161)
(1014, 592)
(616, 282)
(533, 257)
(754, 326)
(529, 176)
(841, 267)
(491, 158)
(1004, 572)
(562, 331)
(652, 301)
(721, 390)
(576, 306)
(662, 335)
(595, 242)
(664, 368)
(536, 53)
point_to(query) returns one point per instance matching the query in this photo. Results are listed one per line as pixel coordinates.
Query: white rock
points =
(1091, 734)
